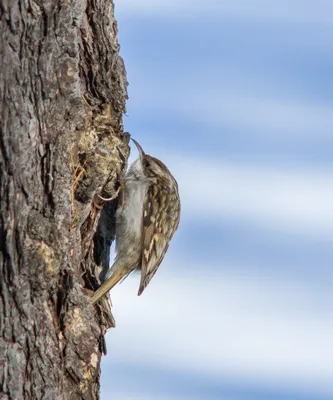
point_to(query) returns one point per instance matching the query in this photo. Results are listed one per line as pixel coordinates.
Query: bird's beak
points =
(141, 152)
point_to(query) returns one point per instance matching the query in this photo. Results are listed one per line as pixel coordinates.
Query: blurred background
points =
(236, 97)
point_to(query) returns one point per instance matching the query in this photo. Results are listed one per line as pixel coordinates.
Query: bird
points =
(145, 222)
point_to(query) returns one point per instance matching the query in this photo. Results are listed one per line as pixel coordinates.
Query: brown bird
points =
(146, 222)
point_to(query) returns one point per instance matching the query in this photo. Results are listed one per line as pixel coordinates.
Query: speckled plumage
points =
(145, 224)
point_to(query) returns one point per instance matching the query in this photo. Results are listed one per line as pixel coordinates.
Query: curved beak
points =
(141, 152)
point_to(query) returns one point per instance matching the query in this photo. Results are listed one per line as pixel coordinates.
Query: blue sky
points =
(236, 98)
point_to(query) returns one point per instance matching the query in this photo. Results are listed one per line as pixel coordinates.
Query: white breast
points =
(132, 213)
(130, 216)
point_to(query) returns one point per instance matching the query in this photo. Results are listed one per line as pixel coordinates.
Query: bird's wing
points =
(160, 219)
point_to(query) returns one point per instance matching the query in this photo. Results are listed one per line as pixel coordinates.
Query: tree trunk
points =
(63, 91)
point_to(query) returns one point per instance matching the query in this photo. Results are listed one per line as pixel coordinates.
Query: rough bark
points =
(62, 96)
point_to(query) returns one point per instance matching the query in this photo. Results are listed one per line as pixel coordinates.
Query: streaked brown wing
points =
(161, 212)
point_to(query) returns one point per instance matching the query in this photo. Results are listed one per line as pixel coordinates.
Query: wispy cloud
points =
(250, 329)
(262, 116)
(294, 200)
(226, 104)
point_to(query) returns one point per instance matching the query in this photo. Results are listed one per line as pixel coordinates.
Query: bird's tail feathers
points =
(108, 285)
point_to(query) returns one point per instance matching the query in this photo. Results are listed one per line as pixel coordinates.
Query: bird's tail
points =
(108, 285)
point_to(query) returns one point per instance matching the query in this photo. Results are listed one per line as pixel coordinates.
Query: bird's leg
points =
(121, 190)
(98, 196)
(113, 196)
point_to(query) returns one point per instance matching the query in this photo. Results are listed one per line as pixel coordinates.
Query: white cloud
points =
(292, 200)
(237, 328)
(293, 11)
(227, 100)
(261, 115)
